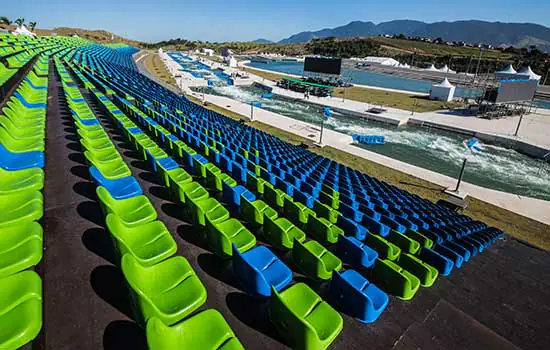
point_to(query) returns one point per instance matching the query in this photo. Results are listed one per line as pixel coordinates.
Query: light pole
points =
(414, 105)
(460, 175)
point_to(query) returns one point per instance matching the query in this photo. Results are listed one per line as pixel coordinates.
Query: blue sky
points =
(217, 20)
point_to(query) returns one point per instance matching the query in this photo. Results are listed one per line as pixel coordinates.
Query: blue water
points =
(363, 77)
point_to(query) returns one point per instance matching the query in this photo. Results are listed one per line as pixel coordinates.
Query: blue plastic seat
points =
(351, 251)
(441, 263)
(19, 161)
(375, 227)
(352, 228)
(258, 269)
(232, 195)
(357, 296)
(122, 188)
(450, 254)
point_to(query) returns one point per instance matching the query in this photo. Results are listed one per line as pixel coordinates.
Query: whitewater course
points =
(495, 167)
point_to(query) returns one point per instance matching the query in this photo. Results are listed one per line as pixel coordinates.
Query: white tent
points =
(23, 31)
(528, 72)
(508, 70)
(432, 68)
(443, 91)
(384, 61)
(446, 69)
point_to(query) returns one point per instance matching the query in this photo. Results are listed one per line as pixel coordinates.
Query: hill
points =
(97, 35)
(494, 33)
(262, 41)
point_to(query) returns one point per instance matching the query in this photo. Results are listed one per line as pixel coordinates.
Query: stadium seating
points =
(218, 172)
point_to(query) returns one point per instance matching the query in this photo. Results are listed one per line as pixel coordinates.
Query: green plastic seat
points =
(326, 212)
(426, 273)
(303, 319)
(20, 309)
(18, 133)
(101, 157)
(215, 180)
(206, 330)
(384, 248)
(203, 208)
(323, 230)
(420, 238)
(169, 290)
(15, 145)
(406, 244)
(176, 176)
(296, 211)
(254, 212)
(274, 196)
(113, 170)
(255, 184)
(20, 207)
(222, 234)
(149, 243)
(394, 279)
(21, 180)
(315, 260)
(20, 247)
(133, 211)
(190, 191)
(332, 200)
(97, 145)
(281, 233)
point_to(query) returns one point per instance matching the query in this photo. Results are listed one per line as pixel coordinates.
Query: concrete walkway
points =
(530, 207)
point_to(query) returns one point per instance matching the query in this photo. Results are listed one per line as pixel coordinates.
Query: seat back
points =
(252, 279)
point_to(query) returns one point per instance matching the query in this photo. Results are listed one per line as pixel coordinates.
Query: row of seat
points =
(208, 142)
(258, 268)
(165, 289)
(22, 133)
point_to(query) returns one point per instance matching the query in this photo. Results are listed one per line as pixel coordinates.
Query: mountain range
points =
(473, 31)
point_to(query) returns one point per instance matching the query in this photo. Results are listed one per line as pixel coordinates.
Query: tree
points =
(20, 22)
(4, 21)
(32, 25)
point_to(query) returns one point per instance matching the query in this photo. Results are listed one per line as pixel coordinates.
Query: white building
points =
(444, 91)
(384, 61)
(208, 52)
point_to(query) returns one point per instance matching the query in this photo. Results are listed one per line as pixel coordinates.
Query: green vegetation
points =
(433, 49)
(355, 47)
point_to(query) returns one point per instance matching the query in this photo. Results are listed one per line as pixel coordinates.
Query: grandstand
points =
(162, 220)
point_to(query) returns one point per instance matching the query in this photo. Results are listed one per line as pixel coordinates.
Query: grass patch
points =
(437, 49)
(393, 99)
(374, 96)
(155, 66)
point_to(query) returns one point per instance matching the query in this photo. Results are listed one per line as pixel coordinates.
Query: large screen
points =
(323, 65)
(516, 90)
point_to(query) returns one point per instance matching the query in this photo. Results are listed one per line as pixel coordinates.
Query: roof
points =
(508, 70)
(445, 83)
(528, 71)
